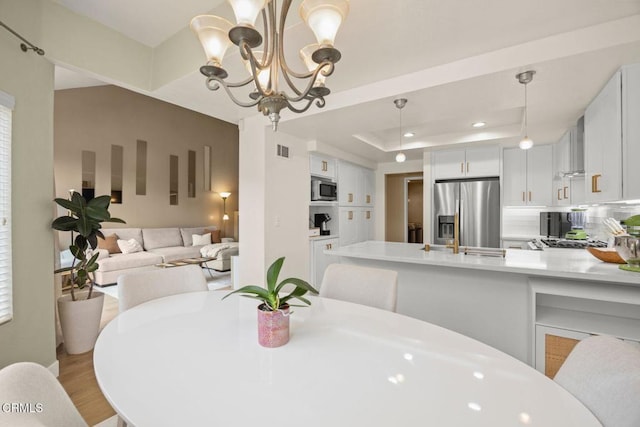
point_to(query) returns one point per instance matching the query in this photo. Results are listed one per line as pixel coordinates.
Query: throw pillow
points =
(129, 246)
(215, 235)
(110, 243)
(199, 240)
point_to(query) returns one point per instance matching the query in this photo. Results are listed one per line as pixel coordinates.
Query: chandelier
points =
(268, 68)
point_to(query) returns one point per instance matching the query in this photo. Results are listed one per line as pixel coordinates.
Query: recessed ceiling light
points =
(479, 124)
(409, 134)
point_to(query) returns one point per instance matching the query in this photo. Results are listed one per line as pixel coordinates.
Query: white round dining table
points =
(194, 360)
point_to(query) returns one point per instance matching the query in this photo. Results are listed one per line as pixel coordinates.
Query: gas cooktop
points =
(573, 244)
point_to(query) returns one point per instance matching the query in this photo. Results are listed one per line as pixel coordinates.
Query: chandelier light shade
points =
(212, 32)
(525, 78)
(268, 68)
(400, 103)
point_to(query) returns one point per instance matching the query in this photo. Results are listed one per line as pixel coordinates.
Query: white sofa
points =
(160, 245)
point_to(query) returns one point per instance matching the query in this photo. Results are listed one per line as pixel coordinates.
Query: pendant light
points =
(400, 103)
(525, 78)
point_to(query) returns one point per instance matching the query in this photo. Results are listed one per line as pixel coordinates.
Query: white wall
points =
(30, 336)
(287, 205)
(273, 203)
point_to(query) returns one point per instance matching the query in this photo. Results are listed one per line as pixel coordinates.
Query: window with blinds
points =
(6, 301)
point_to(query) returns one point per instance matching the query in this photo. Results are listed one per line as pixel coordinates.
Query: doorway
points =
(397, 207)
(413, 206)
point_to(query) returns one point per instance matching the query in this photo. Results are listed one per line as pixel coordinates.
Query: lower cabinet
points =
(319, 260)
(553, 345)
(566, 312)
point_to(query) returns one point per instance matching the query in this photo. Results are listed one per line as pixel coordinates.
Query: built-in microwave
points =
(323, 190)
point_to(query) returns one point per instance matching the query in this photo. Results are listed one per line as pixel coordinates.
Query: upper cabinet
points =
(527, 177)
(631, 132)
(612, 139)
(356, 185)
(469, 163)
(322, 166)
(567, 190)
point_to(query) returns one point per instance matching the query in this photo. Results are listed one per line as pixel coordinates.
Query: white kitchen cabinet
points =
(527, 176)
(322, 166)
(612, 139)
(320, 260)
(631, 132)
(356, 185)
(356, 225)
(469, 163)
(603, 144)
(561, 163)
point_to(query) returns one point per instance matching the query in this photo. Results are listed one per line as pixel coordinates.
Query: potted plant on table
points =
(80, 311)
(273, 313)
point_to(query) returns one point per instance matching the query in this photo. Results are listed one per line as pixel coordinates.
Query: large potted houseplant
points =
(80, 310)
(273, 312)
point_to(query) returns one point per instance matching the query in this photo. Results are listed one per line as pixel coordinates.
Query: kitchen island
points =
(504, 302)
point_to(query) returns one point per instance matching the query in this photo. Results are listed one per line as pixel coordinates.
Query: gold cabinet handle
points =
(523, 199)
(565, 191)
(594, 183)
(368, 198)
(467, 166)
(559, 190)
(461, 167)
(529, 195)
(350, 197)
(368, 214)
(325, 166)
(350, 215)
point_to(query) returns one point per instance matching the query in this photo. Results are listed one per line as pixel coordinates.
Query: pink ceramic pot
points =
(273, 326)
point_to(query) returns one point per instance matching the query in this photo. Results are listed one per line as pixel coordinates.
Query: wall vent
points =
(282, 151)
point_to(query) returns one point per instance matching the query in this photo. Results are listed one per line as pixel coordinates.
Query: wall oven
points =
(323, 190)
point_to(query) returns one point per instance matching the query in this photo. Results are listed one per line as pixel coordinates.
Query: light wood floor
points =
(79, 380)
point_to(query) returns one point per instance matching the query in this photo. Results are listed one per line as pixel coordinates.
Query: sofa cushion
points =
(110, 243)
(177, 252)
(123, 261)
(130, 246)
(200, 240)
(215, 234)
(188, 232)
(125, 233)
(161, 237)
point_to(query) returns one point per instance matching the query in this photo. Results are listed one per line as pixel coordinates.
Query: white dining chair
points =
(374, 287)
(136, 288)
(604, 374)
(28, 383)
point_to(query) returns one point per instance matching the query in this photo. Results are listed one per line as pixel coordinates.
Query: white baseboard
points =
(54, 368)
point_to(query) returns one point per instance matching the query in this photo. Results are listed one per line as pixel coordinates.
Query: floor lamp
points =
(225, 216)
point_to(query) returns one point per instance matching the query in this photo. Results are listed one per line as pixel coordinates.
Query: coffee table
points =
(201, 261)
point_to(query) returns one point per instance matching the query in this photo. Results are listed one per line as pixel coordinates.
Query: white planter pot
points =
(80, 320)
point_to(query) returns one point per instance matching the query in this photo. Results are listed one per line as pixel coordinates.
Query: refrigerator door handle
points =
(461, 217)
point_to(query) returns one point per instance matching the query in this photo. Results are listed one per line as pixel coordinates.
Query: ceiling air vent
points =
(282, 151)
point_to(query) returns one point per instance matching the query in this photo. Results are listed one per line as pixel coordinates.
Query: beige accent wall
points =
(94, 118)
(28, 77)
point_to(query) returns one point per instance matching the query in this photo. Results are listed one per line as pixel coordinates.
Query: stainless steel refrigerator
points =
(478, 204)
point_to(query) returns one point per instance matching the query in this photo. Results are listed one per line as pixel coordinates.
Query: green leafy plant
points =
(85, 219)
(270, 295)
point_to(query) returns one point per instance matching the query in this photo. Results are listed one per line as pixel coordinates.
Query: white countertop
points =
(562, 263)
(194, 360)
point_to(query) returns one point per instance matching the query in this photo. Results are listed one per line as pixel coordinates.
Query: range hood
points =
(576, 151)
